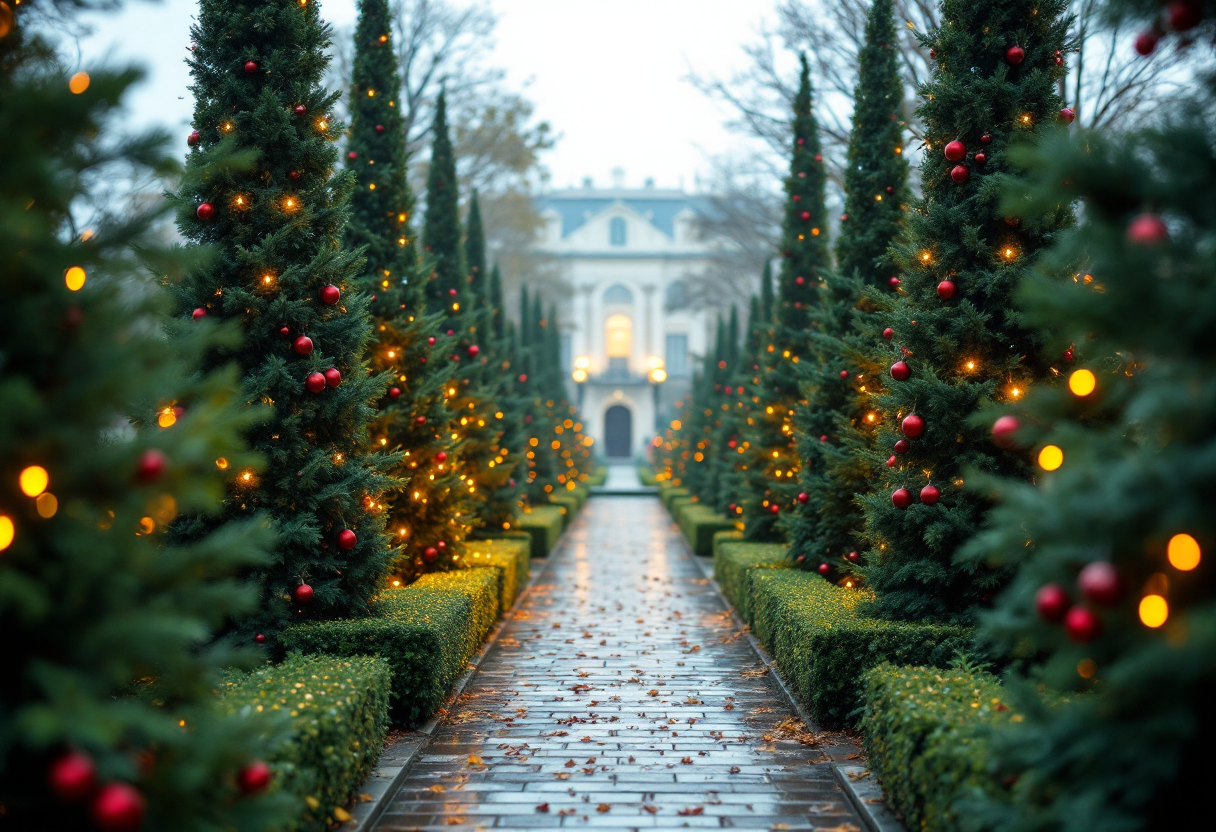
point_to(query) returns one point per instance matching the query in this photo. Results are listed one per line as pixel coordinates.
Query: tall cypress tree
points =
(412, 420)
(276, 226)
(773, 464)
(842, 379)
(441, 227)
(95, 597)
(703, 416)
(957, 340)
(511, 402)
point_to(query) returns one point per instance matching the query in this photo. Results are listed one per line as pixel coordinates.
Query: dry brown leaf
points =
(562, 775)
(752, 674)
(652, 693)
(544, 807)
(603, 807)
(454, 821)
(438, 789)
(570, 764)
(648, 808)
(735, 769)
(474, 760)
(687, 761)
(694, 810)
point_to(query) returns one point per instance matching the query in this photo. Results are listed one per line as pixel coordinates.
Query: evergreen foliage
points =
(95, 600)
(953, 321)
(772, 458)
(441, 227)
(276, 224)
(413, 417)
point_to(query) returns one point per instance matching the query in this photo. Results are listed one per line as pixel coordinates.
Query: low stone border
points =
(858, 782)
(401, 754)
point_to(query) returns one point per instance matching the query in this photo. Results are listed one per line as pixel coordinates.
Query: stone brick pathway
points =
(621, 696)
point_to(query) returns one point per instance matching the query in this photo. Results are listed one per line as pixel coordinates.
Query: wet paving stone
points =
(620, 695)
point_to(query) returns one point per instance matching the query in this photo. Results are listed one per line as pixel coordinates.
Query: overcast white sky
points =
(607, 74)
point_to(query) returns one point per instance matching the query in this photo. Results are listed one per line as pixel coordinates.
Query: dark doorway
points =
(618, 431)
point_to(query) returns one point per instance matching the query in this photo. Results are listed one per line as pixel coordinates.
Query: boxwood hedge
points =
(700, 523)
(336, 710)
(734, 560)
(823, 642)
(427, 632)
(544, 523)
(511, 557)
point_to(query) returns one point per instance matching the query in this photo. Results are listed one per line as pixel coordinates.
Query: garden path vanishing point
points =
(620, 695)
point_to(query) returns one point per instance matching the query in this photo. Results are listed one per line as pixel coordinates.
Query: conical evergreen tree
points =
(704, 416)
(276, 225)
(772, 458)
(732, 419)
(504, 499)
(953, 324)
(412, 421)
(842, 379)
(441, 226)
(95, 598)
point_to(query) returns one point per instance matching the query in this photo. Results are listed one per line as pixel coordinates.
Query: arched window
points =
(616, 231)
(618, 294)
(676, 295)
(620, 336)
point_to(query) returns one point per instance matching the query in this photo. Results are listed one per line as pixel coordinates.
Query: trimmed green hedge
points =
(337, 713)
(823, 644)
(734, 560)
(700, 523)
(672, 492)
(599, 476)
(511, 556)
(645, 474)
(427, 632)
(544, 523)
(925, 738)
(567, 501)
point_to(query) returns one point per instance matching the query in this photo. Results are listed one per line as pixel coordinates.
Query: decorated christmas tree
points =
(1112, 543)
(431, 515)
(956, 340)
(772, 458)
(504, 495)
(704, 417)
(276, 224)
(441, 226)
(108, 433)
(837, 422)
(730, 421)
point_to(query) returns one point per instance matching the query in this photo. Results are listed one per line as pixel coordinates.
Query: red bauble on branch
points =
(892, 460)
(1004, 431)
(302, 345)
(430, 554)
(1146, 42)
(901, 498)
(442, 456)
(72, 777)
(419, 420)
(300, 109)
(901, 446)
(894, 282)
(960, 174)
(1051, 602)
(986, 138)
(774, 508)
(888, 333)
(803, 497)
(1082, 625)
(955, 151)
(332, 377)
(912, 426)
(253, 778)
(260, 638)
(205, 211)
(473, 350)
(394, 392)
(824, 569)
(854, 557)
(347, 539)
(981, 158)
(118, 807)
(1100, 583)
(1147, 230)
(900, 371)
(315, 382)
(946, 289)
(330, 295)
(930, 494)
(1015, 55)
(379, 128)
(198, 313)
(451, 292)
(151, 466)
(251, 67)
(194, 138)
(844, 373)
(304, 593)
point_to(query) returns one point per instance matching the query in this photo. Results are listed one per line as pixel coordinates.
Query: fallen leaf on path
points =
(687, 761)
(570, 764)
(544, 807)
(735, 769)
(474, 760)
(437, 789)
(648, 808)
(454, 821)
(752, 674)
(603, 807)
(695, 810)
(652, 693)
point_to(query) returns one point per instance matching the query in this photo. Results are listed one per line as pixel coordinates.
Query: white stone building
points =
(630, 338)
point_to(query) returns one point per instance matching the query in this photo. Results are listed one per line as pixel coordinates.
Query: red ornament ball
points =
(824, 569)
(72, 777)
(294, 175)
(205, 211)
(522, 378)
(440, 545)
(451, 292)
(442, 456)
(379, 128)
(430, 341)
(1183, 14)
(853, 556)
(302, 345)
(960, 174)
(430, 554)
(1015, 55)
(1147, 230)
(894, 282)
(347, 539)
(1082, 625)
(420, 420)
(1067, 114)
(930, 494)
(332, 377)
(891, 461)
(330, 295)
(800, 280)
(315, 382)
(731, 508)
(304, 593)
(946, 289)
(981, 158)
(260, 638)
(151, 466)
(803, 497)
(901, 498)
(955, 150)
(901, 446)
(352, 155)
(254, 778)
(199, 313)
(890, 189)
(301, 109)
(251, 67)
(1101, 583)
(1059, 60)
(473, 349)
(194, 138)
(285, 331)
(1069, 355)
(900, 371)
(888, 333)
(844, 373)
(118, 807)
(1004, 431)
(774, 508)
(1146, 42)
(1051, 602)
(986, 138)
(932, 54)
(912, 426)
(805, 215)
(394, 392)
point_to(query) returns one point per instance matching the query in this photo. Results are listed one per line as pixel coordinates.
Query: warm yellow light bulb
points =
(34, 480)
(1154, 611)
(167, 418)
(7, 531)
(79, 83)
(1051, 458)
(74, 278)
(1183, 552)
(1082, 382)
